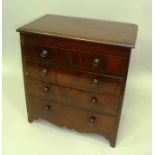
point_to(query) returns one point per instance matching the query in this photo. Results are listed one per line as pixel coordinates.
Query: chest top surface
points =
(91, 30)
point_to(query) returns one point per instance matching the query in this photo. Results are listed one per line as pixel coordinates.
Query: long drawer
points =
(82, 99)
(75, 79)
(61, 114)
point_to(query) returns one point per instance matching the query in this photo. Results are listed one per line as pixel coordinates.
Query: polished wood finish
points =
(75, 72)
(99, 31)
(109, 65)
(75, 79)
(52, 54)
(77, 98)
(71, 117)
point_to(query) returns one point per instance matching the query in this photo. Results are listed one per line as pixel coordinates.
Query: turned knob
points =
(47, 108)
(46, 89)
(95, 81)
(44, 53)
(96, 62)
(94, 100)
(92, 120)
(44, 72)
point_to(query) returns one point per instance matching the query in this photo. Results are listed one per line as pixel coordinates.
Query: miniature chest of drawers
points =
(75, 72)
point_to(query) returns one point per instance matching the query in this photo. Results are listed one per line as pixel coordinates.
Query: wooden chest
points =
(75, 71)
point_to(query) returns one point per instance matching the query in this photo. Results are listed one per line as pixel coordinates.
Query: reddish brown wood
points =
(71, 117)
(100, 31)
(40, 71)
(42, 40)
(75, 79)
(75, 75)
(81, 99)
(109, 65)
(54, 54)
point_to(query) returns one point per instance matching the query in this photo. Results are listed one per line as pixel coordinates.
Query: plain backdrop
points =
(40, 137)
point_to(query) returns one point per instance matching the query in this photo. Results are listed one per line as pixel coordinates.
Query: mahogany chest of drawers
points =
(75, 71)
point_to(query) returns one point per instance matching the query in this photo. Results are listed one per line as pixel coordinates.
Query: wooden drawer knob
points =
(44, 72)
(95, 81)
(44, 54)
(94, 100)
(96, 62)
(46, 89)
(92, 120)
(47, 108)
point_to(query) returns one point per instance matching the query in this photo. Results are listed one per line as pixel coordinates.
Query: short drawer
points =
(90, 82)
(82, 99)
(54, 55)
(40, 71)
(74, 79)
(100, 63)
(60, 114)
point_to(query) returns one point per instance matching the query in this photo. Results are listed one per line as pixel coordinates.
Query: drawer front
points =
(89, 101)
(48, 54)
(74, 79)
(40, 71)
(105, 64)
(70, 117)
(89, 82)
